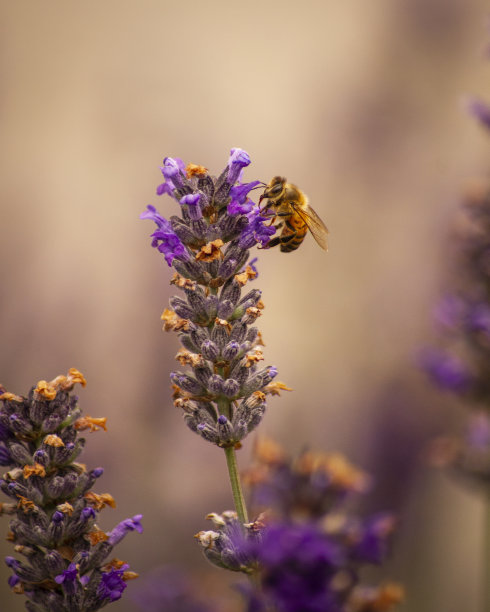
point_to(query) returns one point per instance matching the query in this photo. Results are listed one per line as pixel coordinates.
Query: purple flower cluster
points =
(54, 510)
(305, 548)
(223, 399)
(211, 209)
(461, 362)
(463, 316)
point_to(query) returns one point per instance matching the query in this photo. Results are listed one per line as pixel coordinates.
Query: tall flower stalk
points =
(66, 564)
(223, 395)
(295, 566)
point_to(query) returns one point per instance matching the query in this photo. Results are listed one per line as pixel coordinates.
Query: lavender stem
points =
(236, 486)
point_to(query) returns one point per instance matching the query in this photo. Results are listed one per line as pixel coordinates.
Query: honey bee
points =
(287, 202)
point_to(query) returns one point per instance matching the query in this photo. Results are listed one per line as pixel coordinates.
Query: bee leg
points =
(272, 243)
(280, 239)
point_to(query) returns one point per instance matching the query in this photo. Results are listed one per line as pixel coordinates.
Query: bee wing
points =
(315, 225)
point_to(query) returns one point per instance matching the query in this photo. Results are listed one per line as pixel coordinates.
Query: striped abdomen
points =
(293, 233)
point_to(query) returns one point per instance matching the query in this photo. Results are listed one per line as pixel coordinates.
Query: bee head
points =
(274, 189)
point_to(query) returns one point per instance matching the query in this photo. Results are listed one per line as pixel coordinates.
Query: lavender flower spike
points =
(223, 398)
(53, 506)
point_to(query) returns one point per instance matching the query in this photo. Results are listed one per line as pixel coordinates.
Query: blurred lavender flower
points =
(167, 589)
(223, 399)
(480, 110)
(462, 366)
(447, 371)
(306, 549)
(65, 567)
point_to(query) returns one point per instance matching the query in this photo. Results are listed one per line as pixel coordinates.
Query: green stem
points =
(235, 485)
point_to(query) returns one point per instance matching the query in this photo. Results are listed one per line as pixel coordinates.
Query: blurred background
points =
(361, 105)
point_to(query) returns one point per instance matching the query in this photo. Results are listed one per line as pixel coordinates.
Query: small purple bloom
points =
(152, 213)
(124, 527)
(480, 110)
(238, 160)
(272, 371)
(256, 231)
(446, 370)
(68, 578)
(112, 584)
(12, 562)
(192, 200)
(165, 239)
(13, 581)
(173, 170)
(57, 517)
(88, 513)
(172, 167)
(240, 203)
(166, 187)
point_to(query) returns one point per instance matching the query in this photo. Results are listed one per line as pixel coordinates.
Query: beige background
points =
(359, 103)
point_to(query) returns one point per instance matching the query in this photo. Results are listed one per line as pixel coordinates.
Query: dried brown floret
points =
(10, 396)
(185, 357)
(91, 423)
(253, 312)
(210, 251)
(45, 390)
(172, 321)
(275, 387)
(34, 470)
(53, 440)
(258, 340)
(223, 323)
(245, 276)
(66, 508)
(253, 358)
(96, 535)
(99, 501)
(183, 283)
(207, 538)
(26, 504)
(48, 390)
(195, 170)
